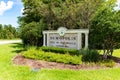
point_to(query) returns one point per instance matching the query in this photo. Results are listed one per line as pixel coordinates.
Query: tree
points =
(1, 28)
(86, 12)
(106, 28)
(8, 32)
(32, 33)
(55, 13)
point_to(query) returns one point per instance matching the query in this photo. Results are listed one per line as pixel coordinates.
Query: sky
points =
(11, 9)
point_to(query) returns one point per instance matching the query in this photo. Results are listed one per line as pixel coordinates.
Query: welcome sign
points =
(65, 38)
(66, 41)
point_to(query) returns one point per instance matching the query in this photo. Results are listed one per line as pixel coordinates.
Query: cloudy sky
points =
(11, 9)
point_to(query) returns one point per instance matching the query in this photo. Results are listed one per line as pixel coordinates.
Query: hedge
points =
(60, 50)
(52, 57)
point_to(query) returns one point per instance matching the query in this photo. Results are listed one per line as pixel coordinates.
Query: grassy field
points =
(9, 71)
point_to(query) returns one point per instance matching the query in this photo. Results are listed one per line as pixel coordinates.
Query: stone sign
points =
(65, 38)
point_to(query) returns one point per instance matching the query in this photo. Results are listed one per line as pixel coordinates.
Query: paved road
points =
(9, 41)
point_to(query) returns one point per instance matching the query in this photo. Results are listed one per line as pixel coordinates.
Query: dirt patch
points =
(38, 64)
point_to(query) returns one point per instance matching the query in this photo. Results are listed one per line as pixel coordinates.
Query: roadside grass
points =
(10, 39)
(9, 71)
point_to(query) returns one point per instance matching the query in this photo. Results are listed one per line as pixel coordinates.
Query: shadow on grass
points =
(115, 59)
(19, 47)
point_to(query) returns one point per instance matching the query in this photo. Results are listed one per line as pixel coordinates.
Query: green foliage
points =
(90, 56)
(97, 15)
(105, 28)
(55, 13)
(67, 13)
(49, 56)
(32, 33)
(8, 32)
(60, 50)
(107, 63)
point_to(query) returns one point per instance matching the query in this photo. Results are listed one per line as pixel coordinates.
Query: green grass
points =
(116, 52)
(10, 39)
(8, 71)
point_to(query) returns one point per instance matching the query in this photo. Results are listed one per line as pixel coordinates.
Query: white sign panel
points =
(69, 40)
(65, 38)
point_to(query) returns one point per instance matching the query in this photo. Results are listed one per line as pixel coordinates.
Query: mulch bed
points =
(20, 60)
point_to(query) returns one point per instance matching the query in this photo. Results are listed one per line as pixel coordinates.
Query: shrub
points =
(31, 34)
(107, 63)
(90, 55)
(50, 56)
(60, 50)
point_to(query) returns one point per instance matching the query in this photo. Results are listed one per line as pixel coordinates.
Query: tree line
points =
(99, 16)
(8, 32)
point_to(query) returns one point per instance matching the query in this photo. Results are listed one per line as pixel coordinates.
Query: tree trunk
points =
(105, 54)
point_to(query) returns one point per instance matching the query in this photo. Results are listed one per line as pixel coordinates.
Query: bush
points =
(31, 34)
(90, 55)
(107, 63)
(60, 50)
(50, 56)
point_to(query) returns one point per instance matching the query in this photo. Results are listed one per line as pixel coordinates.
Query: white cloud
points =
(22, 10)
(5, 6)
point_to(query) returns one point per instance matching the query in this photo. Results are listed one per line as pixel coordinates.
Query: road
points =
(9, 41)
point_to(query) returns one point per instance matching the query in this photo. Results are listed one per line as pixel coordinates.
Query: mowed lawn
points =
(116, 53)
(9, 71)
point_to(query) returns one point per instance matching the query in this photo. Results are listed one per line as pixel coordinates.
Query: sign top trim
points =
(68, 31)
